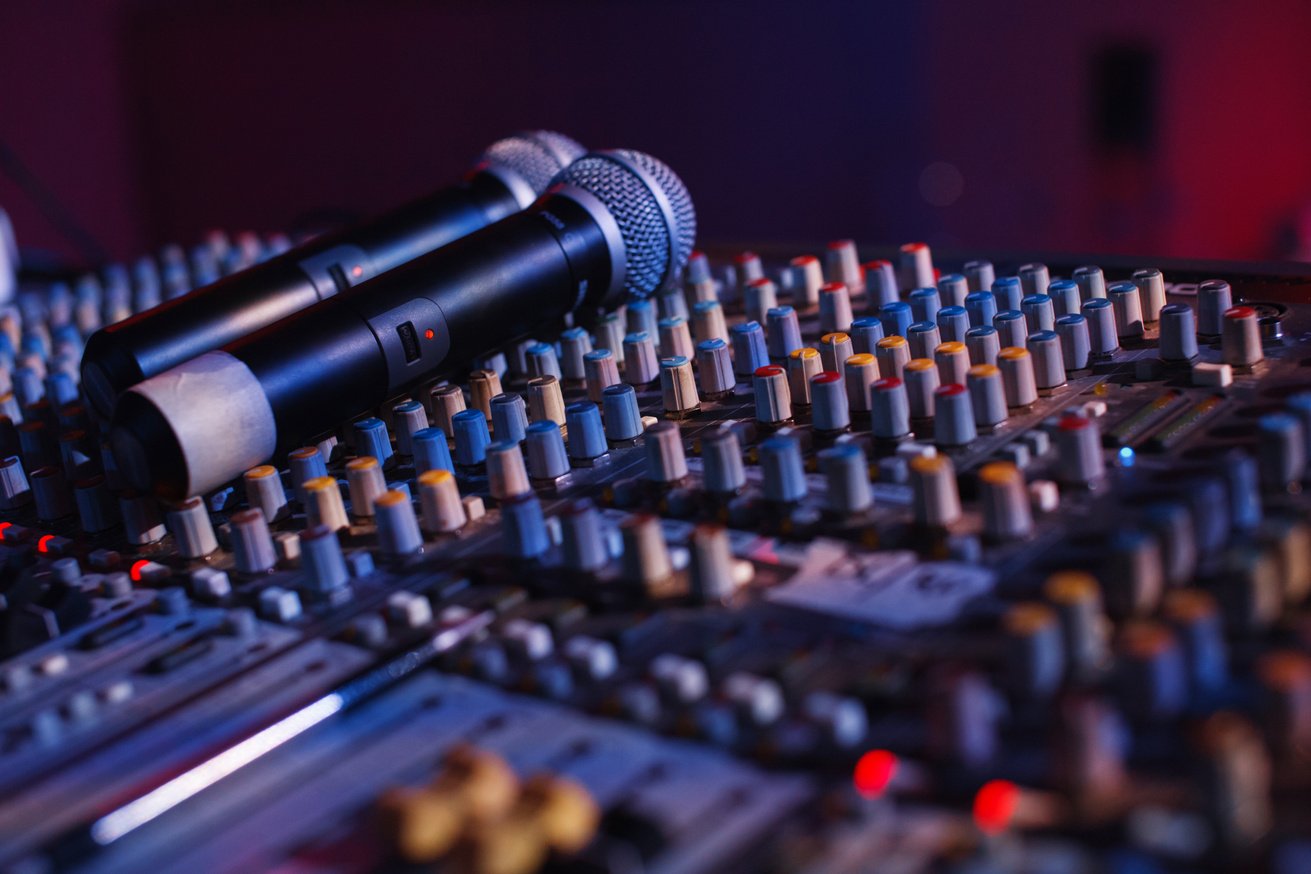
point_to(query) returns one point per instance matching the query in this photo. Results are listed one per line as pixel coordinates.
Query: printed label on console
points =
(893, 589)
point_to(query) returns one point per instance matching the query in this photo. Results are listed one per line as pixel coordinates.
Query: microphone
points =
(511, 174)
(613, 226)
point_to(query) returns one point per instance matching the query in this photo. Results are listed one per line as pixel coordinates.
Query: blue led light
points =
(1126, 456)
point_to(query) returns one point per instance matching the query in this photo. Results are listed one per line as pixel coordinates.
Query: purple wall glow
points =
(957, 122)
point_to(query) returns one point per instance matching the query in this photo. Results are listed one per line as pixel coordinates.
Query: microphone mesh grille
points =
(655, 249)
(535, 156)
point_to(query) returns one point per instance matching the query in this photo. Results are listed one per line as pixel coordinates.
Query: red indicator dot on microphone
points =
(429, 334)
(357, 271)
(137, 567)
(995, 805)
(874, 771)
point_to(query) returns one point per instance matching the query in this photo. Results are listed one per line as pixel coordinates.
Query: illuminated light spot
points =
(43, 545)
(5, 526)
(1126, 457)
(874, 771)
(136, 569)
(995, 804)
(429, 334)
(357, 271)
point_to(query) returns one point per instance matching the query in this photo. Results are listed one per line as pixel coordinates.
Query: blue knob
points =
(623, 421)
(544, 450)
(780, 462)
(866, 332)
(523, 527)
(586, 435)
(749, 351)
(471, 436)
(1007, 292)
(896, 318)
(431, 451)
(925, 303)
(982, 307)
(371, 439)
(509, 417)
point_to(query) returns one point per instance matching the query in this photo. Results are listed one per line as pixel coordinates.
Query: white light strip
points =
(150, 806)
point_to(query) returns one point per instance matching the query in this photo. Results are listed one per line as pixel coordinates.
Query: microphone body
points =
(196, 426)
(121, 355)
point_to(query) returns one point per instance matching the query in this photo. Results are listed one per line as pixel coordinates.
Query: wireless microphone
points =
(511, 174)
(613, 226)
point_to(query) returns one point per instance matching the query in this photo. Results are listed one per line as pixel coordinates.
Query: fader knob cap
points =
(371, 439)
(749, 349)
(781, 465)
(645, 559)
(252, 545)
(509, 417)
(581, 539)
(1214, 297)
(640, 363)
(544, 448)
(602, 371)
(366, 482)
(523, 528)
(843, 264)
(721, 460)
(586, 433)
(1079, 450)
(1240, 337)
(323, 504)
(665, 460)
(846, 473)
(619, 409)
(264, 490)
(431, 451)
(1151, 289)
(408, 418)
(193, 533)
(678, 386)
(828, 402)
(321, 559)
(772, 395)
(439, 499)
(507, 474)
(14, 489)
(398, 528)
(1178, 341)
(712, 567)
(545, 400)
(834, 307)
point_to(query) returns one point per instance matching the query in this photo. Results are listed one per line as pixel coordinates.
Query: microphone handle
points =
(350, 353)
(121, 355)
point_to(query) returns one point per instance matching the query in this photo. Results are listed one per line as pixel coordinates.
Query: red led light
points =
(5, 526)
(429, 334)
(357, 271)
(995, 805)
(43, 545)
(874, 771)
(136, 569)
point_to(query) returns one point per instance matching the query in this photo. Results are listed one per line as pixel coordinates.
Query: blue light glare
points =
(1126, 457)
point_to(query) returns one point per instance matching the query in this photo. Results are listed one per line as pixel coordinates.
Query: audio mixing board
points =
(811, 564)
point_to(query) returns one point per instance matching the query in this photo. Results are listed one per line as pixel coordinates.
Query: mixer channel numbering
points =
(803, 565)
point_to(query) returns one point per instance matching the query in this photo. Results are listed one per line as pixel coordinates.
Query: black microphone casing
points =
(119, 356)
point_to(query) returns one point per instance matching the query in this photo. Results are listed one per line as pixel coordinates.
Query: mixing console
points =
(805, 564)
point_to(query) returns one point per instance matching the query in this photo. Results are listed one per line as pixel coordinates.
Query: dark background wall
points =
(1119, 126)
